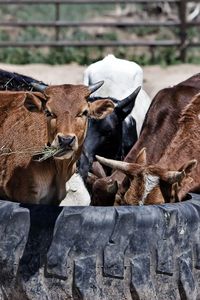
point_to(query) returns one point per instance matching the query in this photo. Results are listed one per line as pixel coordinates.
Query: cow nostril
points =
(72, 140)
(66, 141)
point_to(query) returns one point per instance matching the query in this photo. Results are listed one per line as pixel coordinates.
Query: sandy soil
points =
(155, 77)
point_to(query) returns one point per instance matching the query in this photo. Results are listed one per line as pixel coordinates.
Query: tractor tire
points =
(100, 253)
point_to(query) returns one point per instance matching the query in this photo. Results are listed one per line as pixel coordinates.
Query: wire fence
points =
(181, 42)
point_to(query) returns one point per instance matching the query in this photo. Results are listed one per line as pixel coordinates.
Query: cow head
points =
(67, 111)
(104, 137)
(148, 184)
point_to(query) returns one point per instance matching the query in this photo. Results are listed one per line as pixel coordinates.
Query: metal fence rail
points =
(181, 42)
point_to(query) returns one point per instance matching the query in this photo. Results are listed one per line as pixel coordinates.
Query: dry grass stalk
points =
(46, 153)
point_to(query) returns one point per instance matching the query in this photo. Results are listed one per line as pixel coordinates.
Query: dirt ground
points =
(155, 77)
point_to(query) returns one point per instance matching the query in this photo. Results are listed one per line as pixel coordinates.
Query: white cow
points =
(121, 77)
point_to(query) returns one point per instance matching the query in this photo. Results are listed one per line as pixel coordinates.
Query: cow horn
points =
(40, 87)
(114, 164)
(95, 86)
(128, 99)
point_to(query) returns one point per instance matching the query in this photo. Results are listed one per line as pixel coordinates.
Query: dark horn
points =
(132, 97)
(95, 86)
(39, 86)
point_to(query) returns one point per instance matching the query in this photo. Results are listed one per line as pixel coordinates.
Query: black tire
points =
(100, 253)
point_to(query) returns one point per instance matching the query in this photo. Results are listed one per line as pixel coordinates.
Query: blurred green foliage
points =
(84, 55)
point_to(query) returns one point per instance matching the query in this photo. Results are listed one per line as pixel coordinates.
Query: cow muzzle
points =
(66, 145)
(66, 142)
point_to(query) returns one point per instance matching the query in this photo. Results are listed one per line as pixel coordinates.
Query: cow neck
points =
(64, 168)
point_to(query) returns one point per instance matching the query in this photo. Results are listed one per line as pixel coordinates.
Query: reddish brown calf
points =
(160, 126)
(55, 119)
(174, 175)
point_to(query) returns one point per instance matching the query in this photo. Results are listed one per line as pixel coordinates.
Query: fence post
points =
(57, 18)
(183, 29)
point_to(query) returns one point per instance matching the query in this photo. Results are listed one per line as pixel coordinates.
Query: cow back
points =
(161, 122)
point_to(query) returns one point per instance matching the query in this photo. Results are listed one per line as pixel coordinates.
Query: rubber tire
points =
(100, 253)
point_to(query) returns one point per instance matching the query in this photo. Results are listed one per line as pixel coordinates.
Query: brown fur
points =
(160, 126)
(169, 185)
(25, 125)
(185, 146)
(181, 156)
(17, 126)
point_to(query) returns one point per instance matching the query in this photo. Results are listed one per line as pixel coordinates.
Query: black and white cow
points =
(120, 78)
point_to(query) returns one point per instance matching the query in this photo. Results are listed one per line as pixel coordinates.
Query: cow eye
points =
(85, 113)
(49, 114)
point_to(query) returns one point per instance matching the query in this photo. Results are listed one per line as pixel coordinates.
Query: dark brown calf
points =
(174, 175)
(160, 126)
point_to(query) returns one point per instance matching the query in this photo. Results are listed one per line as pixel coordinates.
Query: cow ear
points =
(172, 177)
(34, 102)
(112, 187)
(178, 176)
(101, 108)
(141, 158)
(188, 167)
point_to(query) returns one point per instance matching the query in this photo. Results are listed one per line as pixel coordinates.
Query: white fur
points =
(151, 182)
(77, 194)
(121, 77)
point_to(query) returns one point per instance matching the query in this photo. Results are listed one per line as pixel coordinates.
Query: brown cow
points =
(51, 125)
(174, 175)
(150, 184)
(160, 125)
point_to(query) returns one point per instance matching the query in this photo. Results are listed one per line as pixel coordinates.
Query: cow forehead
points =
(68, 97)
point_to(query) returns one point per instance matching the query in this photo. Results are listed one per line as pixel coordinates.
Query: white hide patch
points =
(151, 182)
(77, 193)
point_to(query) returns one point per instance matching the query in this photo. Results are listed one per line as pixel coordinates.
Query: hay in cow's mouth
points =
(47, 152)
(63, 152)
(4, 151)
(50, 151)
(38, 155)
